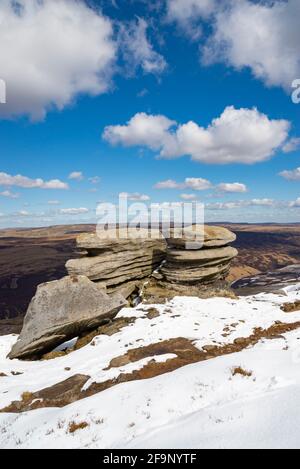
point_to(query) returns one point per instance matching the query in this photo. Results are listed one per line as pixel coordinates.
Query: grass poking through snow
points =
(73, 426)
(239, 371)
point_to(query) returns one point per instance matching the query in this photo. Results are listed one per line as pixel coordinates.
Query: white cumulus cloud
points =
(76, 176)
(293, 175)
(135, 196)
(169, 184)
(197, 184)
(9, 195)
(138, 50)
(186, 14)
(262, 202)
(244, 203)
(74, 211)
(94, 180)
(263, 36)
(184, 10)
(188, 196)
(291, 145)
(232, 187)
(28, 183)
(142, 129)
(51, 51)
(237, 136)
(295, 203)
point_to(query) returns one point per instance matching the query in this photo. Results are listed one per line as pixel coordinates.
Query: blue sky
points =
(161, 64)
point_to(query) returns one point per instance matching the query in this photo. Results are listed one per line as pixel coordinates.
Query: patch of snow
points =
(197, 406)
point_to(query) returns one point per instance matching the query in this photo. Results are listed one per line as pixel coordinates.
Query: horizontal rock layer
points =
(118, 268)
(119, 263)
(187, 265)
(114, 241)
(203, 257)
(196, 275)
(199, 236)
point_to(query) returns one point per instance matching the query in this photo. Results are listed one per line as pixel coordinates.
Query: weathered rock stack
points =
(119, 264)
(200, 256)
(111, 269)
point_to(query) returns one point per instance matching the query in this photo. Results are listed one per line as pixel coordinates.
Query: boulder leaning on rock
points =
(61, 310)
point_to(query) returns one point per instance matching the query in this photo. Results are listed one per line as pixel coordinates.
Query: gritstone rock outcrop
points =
(61, 310)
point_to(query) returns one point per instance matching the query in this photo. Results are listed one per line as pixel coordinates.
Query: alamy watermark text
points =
(2, 92)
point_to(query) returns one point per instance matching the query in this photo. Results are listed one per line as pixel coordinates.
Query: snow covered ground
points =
(197, 406)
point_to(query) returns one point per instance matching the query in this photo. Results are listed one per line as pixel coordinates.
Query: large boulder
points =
(118, 262)
(201, 257)
(123, 239)
(62, 310)
(119, 267)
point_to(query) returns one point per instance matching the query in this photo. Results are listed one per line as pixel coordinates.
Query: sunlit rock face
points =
(119, 263)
